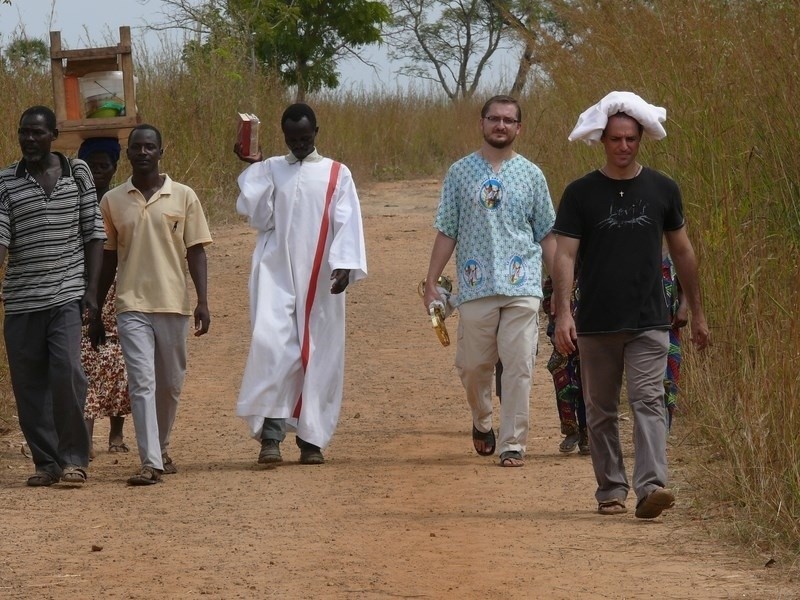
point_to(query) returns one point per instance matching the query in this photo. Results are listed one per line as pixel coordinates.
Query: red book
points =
(247, 134)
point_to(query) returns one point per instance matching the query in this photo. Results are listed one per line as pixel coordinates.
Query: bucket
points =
(103, 94)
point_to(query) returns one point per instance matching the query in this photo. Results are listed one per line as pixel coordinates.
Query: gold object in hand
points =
(437, 312)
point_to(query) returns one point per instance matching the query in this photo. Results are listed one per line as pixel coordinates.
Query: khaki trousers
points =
(505, 328)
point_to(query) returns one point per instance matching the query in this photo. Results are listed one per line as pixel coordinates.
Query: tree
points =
(454, 38)
(538, 24)
(301, 39)
(25, 54)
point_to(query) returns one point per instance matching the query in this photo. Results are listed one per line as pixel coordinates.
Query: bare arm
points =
(107, 273)
(443, 247)
(93, 257)
(682, 253)
(548, 245)
(566, 335)
(108, 269)
(681, 318)
(198, 270)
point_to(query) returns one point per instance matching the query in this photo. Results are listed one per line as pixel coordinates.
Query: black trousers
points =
(44, 360)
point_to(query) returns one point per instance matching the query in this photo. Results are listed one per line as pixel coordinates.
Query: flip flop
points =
(486, 437)
(121, 447)
(569, 443)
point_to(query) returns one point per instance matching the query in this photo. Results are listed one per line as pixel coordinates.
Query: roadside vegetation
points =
(732, 145)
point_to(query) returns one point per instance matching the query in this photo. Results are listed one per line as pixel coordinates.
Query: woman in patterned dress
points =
(107, 394)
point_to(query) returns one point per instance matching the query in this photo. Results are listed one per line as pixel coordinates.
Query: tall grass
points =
(732, 146)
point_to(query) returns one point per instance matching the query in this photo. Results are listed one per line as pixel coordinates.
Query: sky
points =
(87, 23)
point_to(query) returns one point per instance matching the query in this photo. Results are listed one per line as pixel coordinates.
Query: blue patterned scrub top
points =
(497, 220)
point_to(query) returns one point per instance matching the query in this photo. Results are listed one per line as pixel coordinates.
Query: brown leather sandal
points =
(615, 506)
(73, 475)
(42, 479)
(146, 476)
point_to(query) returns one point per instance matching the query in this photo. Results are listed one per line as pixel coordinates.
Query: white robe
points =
(284, 200)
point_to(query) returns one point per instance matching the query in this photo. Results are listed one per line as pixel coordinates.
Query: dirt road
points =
(403, 508)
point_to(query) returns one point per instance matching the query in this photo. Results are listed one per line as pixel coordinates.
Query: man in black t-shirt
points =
(613, 221)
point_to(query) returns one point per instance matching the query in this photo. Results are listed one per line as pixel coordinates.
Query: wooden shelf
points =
(66, 66)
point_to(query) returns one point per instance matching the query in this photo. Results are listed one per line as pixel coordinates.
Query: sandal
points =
(147, 476)
(121, 447)
(511, 458)
(615, 506)
(73, 475)
(487, 437)
(583, 445)
(569, 443)
(170, 468)
(42, 479)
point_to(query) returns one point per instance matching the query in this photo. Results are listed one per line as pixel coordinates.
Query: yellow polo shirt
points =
(151, 238)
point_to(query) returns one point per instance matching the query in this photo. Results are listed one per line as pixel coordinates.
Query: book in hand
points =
(247, 135)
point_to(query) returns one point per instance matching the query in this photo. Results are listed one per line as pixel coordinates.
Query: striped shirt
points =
(45, 236)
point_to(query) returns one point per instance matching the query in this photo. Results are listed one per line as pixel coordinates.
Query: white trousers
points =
(154, 347)
(505, 328)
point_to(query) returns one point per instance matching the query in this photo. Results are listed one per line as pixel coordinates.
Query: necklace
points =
(635, 175)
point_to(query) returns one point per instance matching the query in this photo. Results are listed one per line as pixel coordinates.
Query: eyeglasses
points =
(494, 120)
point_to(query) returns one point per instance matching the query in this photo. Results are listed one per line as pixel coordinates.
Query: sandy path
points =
(404, 508)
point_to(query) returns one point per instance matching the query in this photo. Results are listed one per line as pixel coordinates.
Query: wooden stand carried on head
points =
(67, 66)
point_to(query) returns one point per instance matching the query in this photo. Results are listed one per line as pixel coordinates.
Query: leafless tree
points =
(538, 24)
(449, 42)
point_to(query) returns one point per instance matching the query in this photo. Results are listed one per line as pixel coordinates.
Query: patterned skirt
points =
(107, 395)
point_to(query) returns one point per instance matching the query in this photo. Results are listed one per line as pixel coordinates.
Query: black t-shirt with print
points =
(620, 224)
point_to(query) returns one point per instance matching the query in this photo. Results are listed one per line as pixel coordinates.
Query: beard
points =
(499, 144)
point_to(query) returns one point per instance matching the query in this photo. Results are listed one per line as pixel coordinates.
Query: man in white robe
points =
(306, 211)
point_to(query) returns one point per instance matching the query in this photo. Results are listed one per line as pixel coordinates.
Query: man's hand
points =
(237, 150)
(97, 333)
(340, 279)
(430, 296)
(566, 336)
(700, 333)
(202, 320)
(681, 317)
(89, 310)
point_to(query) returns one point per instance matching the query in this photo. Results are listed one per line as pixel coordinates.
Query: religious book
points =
(247, 134)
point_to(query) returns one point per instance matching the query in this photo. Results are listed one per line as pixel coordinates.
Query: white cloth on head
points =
(593, 121)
